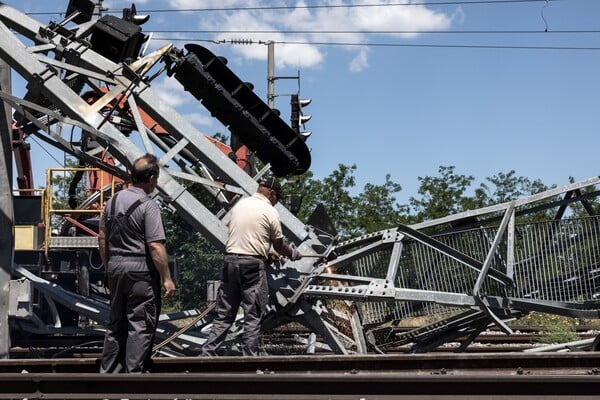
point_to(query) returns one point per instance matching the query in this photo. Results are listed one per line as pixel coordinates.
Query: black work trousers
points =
(243, 282)
(134, 310)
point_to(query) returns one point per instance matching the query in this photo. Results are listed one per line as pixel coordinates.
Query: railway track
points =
(301, 386)
(493, 367)
(573, 375)
(524, 338)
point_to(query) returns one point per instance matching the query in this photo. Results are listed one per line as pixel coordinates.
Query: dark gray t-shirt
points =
(145, 226)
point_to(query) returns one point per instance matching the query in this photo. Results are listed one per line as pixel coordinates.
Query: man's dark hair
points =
(142, 171)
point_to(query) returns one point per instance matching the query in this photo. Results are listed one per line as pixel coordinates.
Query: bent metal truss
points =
(460, 274)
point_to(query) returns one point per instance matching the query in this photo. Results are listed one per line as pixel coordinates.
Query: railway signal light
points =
(298, 119)
(117, 39)
(234, 103)
(83, 8)
(131, 15)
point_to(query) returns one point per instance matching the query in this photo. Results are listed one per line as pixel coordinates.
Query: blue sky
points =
(520, 91)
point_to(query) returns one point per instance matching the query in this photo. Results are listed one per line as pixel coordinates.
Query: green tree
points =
(375, 208)
(587, 207)
(447, 193)
(197, 259)
(61, 186)
(442, 195)
(333, 192)
(507, 187)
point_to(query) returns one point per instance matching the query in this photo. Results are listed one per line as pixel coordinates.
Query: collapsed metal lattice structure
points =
(469, 270)
(463, 273)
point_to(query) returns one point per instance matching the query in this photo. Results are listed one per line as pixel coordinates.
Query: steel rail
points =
(578, 362)
(547, 376)
(295, 386)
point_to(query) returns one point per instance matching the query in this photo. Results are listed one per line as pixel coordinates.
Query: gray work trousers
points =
(243, 282)
(134, 310)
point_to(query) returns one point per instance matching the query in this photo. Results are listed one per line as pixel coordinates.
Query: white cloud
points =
(459, 15)
(360, 62)
(301, 49)
(199, 119)
(120, 4)
(172, 92)
(210, 4)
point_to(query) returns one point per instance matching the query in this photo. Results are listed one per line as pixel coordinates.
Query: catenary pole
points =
(6, 212)
(271, 74)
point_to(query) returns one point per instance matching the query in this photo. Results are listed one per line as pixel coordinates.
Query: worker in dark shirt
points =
(253, 228)
(132, 247)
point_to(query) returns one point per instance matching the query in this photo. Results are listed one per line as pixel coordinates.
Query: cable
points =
(444, 46)
(32, 138)
(387, 44)
(325, 6)
(382, 32)
(295, 7)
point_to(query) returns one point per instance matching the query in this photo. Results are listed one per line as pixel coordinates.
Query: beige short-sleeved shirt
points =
(254, 224)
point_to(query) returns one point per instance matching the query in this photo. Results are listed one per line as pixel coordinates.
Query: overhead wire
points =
(321, 6)
(314, 43)
(387, 32)
(377, 32)
(380, 44)
(363, 5)
(369, 32)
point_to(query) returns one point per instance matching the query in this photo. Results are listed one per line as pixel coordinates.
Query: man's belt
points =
(129, 254)
(246, 255)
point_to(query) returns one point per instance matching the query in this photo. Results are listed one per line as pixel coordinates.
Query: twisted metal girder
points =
(54, 66)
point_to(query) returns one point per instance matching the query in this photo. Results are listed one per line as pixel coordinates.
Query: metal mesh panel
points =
(558, 260)
(374, 265)
(421, 267)
(554, 260)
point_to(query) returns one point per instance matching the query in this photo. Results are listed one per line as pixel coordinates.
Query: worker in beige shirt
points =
(253, 228)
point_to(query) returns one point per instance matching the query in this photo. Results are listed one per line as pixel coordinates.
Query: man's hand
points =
(169, 286)
(105, 281)
(295, 254)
